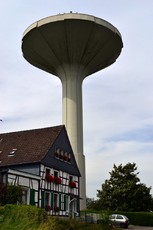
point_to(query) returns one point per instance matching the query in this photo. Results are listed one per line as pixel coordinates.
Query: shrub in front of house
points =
(10, 194)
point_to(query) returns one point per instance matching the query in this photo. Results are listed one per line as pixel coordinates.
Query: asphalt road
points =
(133, 227)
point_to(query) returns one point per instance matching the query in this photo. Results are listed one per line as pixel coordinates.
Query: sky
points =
(117, 101)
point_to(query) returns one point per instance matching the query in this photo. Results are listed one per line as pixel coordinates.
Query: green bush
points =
(24, 217)
(76, 225)
(139, 218)
(135, 218)
(10, 194)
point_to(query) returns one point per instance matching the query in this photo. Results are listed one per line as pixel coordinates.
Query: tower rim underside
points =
(79, 16)
(69, 39)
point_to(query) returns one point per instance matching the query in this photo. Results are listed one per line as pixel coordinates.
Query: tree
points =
(123, 191)
(91, 203)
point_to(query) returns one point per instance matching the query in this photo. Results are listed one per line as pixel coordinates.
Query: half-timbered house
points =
(42, 162)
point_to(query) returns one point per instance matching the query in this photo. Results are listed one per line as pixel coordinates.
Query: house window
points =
(66, 202)
(24, 196)
(47, 201)
(72, 183)
(32, 196)
(62, 155)
(12, 152)
(56, 204)
(47, 171)
(57, 153)
(55, 174)
(69, 158)
(1, 177)
(47, 198)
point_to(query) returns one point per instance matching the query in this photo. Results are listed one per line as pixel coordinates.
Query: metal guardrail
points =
(89, 217)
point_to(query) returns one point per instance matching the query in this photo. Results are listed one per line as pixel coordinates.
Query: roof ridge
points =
(35, 129)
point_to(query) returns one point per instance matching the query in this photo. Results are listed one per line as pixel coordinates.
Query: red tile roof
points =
(28, 146)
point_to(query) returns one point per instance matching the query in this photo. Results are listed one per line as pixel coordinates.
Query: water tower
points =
(72, 46)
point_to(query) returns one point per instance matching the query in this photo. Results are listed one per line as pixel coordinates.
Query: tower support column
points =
(72, 77)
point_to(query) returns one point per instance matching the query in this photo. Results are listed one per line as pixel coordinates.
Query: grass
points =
(16, 217)
(23, 217)
(75, 225)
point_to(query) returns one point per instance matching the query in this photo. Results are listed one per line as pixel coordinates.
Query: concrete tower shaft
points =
(72, 46)
(71, 79)
(72, 105)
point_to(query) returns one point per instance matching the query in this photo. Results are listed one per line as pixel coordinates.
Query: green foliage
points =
(123, 191)
(10, 194)
(26, 217)
(104, 220)
(91, 203)
(13, 194)
(2, 193)
(76, 225)
(140, 218)
(135, 218)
